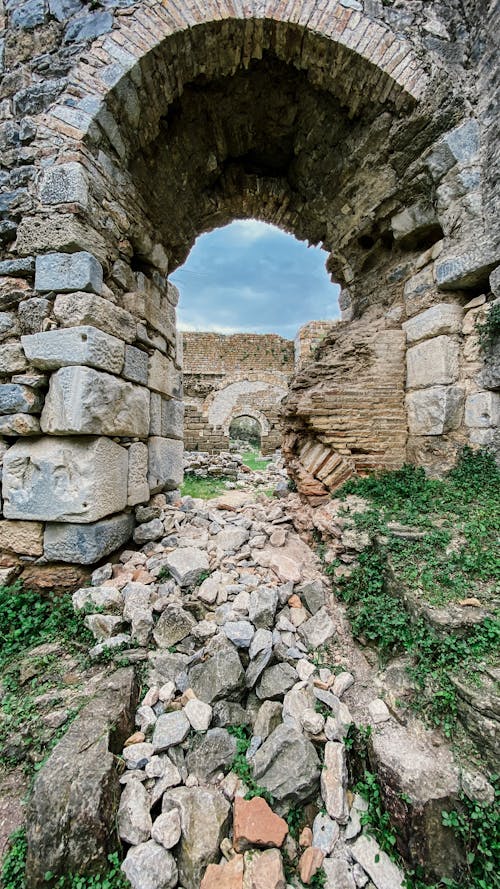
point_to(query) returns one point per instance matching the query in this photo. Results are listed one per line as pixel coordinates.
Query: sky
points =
(252, 277)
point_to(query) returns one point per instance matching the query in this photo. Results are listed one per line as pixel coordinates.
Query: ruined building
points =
(129, 128)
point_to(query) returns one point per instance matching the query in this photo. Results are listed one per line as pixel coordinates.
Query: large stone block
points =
(439, 319)
(64, 479)
(172, 418)
(74, 345)
(67, 272)
(82, 400)
(22, 537)
(163, 377)
(63, 232)
(138, 488)
(165, 464)
(435, 411)
(88, 308)
(414, 224)
(86, 544)
(482, 410)
(135, 367)
(468, 269)
(432, 363)
(15, 398)
(19, 424)
(12, 359)
(63, 184)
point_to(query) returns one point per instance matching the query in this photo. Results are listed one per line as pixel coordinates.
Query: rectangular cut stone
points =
(435, 411)
(12, 359)
(8, 325)
(19, 399)
(467, 270)
(439, 319)
(25, 538)
(63, 184)
(66, 272)
(155, 309)
(165, 471)
(414, 223)
(63, 232)
(86, 544)
(74, 345)
(482, 410)
(82, 400)
(432, 362)
(72, 309)
(172, 418)
(163, 376)
(138, 488)
(155, 414)
(64, 479)
(135, 367)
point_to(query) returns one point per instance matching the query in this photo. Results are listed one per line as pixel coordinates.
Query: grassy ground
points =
(254, 460)
(203, 488)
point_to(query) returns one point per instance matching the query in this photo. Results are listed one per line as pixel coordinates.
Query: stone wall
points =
(128, 128)
(232, 376)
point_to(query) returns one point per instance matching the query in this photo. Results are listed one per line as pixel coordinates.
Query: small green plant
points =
(163, 574)
(241, 766)
(295, 820)
(202, 576)
(489, 329)
(319, 879)
(14, 863)
(113, 878)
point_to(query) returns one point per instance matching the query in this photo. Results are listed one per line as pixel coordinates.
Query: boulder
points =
(377, 864)
(134, 819)
(276, 681)
(85, 346)
(173, 625)
(199, 714)
(72, 812)
(150, 866)
(170, 730)
(317, 630)
(263, 604)
(221, 676)
(264, 870)
(239, 632)
(204, 823)
(228, 875)
(166, 829)
(287, 765)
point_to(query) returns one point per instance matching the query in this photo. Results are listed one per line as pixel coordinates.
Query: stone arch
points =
(255, 415)
(353, 133)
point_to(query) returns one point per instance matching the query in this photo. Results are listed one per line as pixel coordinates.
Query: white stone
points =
(82, 400)
(199, 714)
(432, 362)
(165, 464)
(435, 410)
(163, 376)
(378, 710)
(482, 410)
(439, 319)
(65, 272)
(134, 820)
(312, 722)
(338, 874)
(64, 479)
(72, 309)
(317, 630)
(74, 345)
(170, 730)
(167, 829)
(150, 866)
(325, 833)
(186, 564)
(382, 871)
(334, 781)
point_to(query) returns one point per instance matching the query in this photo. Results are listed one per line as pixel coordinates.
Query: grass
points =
(202, 488)
(464, 507)
(241, 766)
(254, 461)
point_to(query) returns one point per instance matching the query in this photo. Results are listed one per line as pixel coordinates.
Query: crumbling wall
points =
(229, 376)
(127, 129)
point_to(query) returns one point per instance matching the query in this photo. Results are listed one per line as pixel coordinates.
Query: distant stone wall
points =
(233, 376)
(308, 338)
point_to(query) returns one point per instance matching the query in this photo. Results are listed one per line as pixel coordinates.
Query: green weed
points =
(489, 329)
(254, 461)
(241, 766)
(203, 488)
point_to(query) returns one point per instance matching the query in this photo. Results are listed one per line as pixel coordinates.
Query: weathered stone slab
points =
(414, 223)
(63, 184)
(482, 410)
(58, 232)
(19, 424)
(86, 544)
(436, 410)
(432, 362)
(138, 488)
(465, 270)
(64, 479)
(71, 821)
(443, 318)
(22, 537)
(150, 866)
(163, 376)
(287, 765)
(67, 272)
(84, 400)
(9, 325)
(72, 309)
(76, 345)
(165, 464)
(382, 871)
(135, 367)
(172, 418)
(204, 823)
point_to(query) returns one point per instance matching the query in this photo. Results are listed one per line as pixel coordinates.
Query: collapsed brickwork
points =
(226, 377)
(128, 128)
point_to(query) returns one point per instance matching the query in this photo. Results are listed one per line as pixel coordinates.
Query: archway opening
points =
(245, 433)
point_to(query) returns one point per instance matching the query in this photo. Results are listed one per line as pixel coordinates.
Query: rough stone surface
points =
(77, 345)
(334, 782)
(150, 866)
(165, 464)
(382, 871)
(66, 272)
(287, 766)
(187, 564)
(221, 676)
(255, 824)
(75, 795)
(64, 479)
(86, 544)
(204, 822)
(444, 318)
(433, 362)
(170, 729)
(435, 410)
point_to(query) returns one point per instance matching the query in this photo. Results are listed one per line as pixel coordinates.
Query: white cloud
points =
(248, 231)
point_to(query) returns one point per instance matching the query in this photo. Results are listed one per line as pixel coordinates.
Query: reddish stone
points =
(295, 601)
(142, 576)
(54, 578)
(224, 876)
(310, 862)
(136, 738)
(306, 837)
(255, 824)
